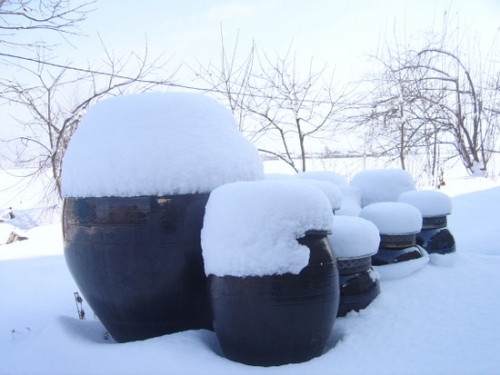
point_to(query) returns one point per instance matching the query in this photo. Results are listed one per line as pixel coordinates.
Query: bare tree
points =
(402, 121)
(58, 96)
(461, 104)
(21, 21)
(437, 96)
(390, 116)
(282, 111)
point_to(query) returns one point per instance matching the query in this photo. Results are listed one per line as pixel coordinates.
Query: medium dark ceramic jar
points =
(278, 319)
(397, 248)
(138, 263)
(359, 284)
(435, 237)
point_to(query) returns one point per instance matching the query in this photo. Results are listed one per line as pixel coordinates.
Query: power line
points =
(103, 73)
(169, 84)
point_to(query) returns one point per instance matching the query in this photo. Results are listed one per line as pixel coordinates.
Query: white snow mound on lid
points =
(331, 190)
(333, 177)
(382, 185)
(393, 217)
(353, 237)
(250, 228)
(157, 144)
(430, 202)
(277, 176)
(351, 201)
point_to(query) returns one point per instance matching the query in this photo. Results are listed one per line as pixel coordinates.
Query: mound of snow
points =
(382, 185)
(430, 202)
(443, 260)
(353, 237)
(463, 185)
(333, 177)
(251, 228)
(332, 191)
(402, 269)
(393, 217)
(351, 201)
(157, 144)
(277, 176)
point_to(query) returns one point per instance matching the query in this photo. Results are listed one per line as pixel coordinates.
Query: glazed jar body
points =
(278, 319)
(138, 263)
(396, 249)
(359, 284)
(435, 237)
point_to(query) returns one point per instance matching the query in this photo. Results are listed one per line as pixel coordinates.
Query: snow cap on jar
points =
(251, 228)
(353, 237)
(431, 203)
(160, 143)
(382, 185)
(393, 218)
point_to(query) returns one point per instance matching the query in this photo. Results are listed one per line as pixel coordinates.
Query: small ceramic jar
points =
(398, 224)
(354, 241)
(435, 206)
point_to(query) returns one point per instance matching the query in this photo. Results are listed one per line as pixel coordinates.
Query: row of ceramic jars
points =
(379, 191)
(137, 257)
(139, 263)
(120, 223)
(115, 248)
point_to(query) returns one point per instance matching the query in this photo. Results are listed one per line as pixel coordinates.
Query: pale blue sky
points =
(337, 32)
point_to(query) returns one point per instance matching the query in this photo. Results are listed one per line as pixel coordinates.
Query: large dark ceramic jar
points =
(278, 319)
(135, 252)
(138, 263)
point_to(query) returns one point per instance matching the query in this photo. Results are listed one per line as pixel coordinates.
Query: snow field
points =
(438, 320)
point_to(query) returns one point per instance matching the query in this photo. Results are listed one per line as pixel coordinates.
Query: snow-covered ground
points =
(440, 320)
